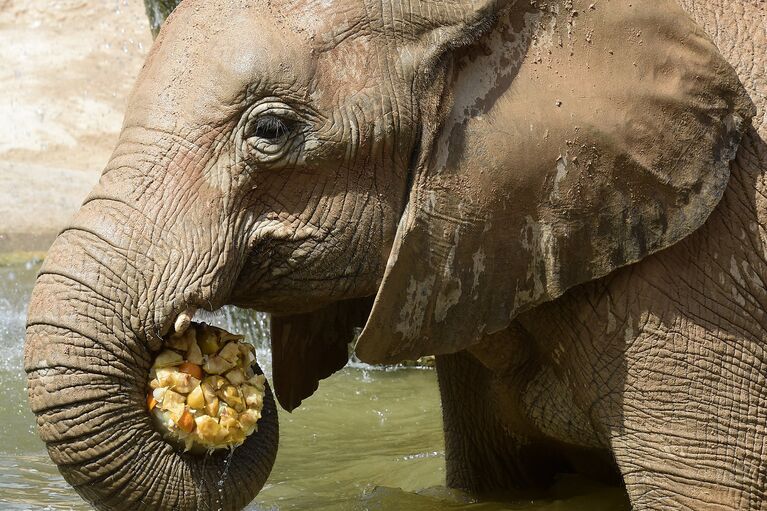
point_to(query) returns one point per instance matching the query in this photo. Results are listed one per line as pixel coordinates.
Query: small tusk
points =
(184, 320)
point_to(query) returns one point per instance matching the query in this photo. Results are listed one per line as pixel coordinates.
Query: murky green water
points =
(369, 439)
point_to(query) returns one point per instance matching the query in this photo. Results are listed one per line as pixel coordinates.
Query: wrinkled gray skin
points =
(531, 192)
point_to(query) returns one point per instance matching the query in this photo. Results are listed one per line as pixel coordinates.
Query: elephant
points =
(563, 200)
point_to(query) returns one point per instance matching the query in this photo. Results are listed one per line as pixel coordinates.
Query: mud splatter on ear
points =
(571, 141)
(309, 347)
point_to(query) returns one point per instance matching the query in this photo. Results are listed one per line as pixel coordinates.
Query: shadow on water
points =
(370, 439)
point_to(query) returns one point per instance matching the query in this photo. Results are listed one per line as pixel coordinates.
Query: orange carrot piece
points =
(186, 422)
(191, 369)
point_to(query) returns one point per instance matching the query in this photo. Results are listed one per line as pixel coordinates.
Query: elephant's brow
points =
(292, 93)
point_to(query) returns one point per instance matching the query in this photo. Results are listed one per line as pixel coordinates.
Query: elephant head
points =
(449, 164)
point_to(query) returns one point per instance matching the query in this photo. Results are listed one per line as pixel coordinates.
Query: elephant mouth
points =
(205, 389)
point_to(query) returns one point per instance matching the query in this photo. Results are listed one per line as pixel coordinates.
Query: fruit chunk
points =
(217, 365)
(209, 396)
(151, 402)
(196, 398)
(215, 382)
(168, 358)
(171, 398)
(164, 376)
(248, 420)
(194, 355)
(236, 376)
(191, 369)
(182, 382)
(232, 397)
(173, 403)
(207, 341)
(159, 394)
(212, 407)
(186, 422)
(230, 352)
(229, 418)
(253, 397)
(208, 429)
(182, 341)
(258, 381)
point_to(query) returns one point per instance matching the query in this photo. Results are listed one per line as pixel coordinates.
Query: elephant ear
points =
(309, 347)
(572, 140)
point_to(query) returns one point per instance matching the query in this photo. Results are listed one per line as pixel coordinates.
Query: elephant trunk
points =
(87, 357)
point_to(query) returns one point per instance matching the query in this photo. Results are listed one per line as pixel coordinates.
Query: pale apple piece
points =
(236, 376)
(183, 382)
(212, 406)
(254, 398)
(194, 355)
(181, 342)
(208, 390)
(227, 336)
(173, 403)
(236, 436)
(246, 353)
(155, 384)
(196, 398)
(215, 381)
(248, 420)
(207, 340)
(228, 412)
(217, 365)
(208, 429)
(171, 398)
(230, 423)
(163, 418)
(168, 358)
(211, 399)
(230, 352)
(164, 375)
(232, 397)
(159, 394)
(258, 381)
(220, 438)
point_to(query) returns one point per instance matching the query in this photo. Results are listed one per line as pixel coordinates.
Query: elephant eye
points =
(272, 131)
(270, 128)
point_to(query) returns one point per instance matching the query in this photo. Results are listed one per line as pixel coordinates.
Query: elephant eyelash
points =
(270, 128)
